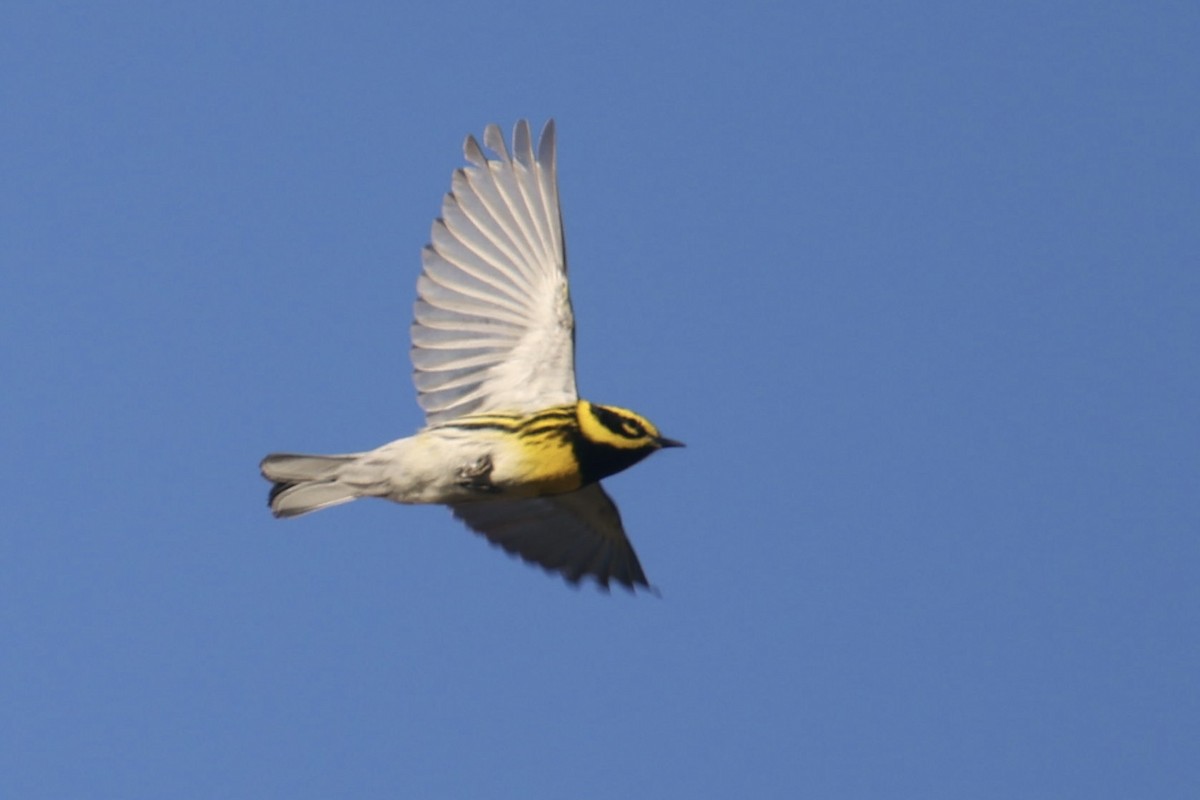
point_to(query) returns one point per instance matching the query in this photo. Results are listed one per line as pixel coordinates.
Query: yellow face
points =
(620, 428)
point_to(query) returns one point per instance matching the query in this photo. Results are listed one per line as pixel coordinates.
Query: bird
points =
(508, 445)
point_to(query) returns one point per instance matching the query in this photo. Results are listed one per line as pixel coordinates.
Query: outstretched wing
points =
(576, 534)
(493, 327)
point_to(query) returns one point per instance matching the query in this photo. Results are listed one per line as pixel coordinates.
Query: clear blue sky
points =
(919, 286)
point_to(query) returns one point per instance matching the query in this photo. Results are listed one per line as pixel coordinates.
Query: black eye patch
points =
(629, 428)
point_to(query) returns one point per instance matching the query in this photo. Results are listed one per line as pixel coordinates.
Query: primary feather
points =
(493, 324)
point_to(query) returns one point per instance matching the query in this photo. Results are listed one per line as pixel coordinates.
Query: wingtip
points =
(522, 143)
(546, 144)
(494, 140)
(634, 585)
(473, 152)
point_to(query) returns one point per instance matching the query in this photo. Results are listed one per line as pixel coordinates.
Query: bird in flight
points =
(508, 444)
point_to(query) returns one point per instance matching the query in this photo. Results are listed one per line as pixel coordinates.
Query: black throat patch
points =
(597, 461)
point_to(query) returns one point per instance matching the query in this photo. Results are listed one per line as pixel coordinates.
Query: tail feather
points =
(305, 483)
(302, 467)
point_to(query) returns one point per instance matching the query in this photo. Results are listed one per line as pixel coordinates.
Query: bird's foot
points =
(475, 476)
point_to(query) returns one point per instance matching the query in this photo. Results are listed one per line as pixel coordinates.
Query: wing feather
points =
(493, 327)
(577, 534)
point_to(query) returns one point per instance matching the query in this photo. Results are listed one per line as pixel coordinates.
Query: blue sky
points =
(919, 286)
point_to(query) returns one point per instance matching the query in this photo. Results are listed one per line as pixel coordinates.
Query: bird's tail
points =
(306, 483)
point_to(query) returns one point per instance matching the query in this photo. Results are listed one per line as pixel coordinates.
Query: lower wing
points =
(577, 534)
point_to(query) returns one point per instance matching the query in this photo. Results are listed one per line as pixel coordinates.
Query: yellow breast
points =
(541, 466)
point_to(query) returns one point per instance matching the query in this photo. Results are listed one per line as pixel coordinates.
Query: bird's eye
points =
(633, 429)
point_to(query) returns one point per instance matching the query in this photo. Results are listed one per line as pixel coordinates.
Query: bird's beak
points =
(665, 442)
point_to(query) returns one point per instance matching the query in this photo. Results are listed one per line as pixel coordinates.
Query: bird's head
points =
(620, 429)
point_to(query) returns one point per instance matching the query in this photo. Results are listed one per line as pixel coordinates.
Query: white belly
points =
(428, 467)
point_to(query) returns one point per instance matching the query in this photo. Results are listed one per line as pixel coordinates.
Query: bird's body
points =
(508, 446)
(479, 457)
